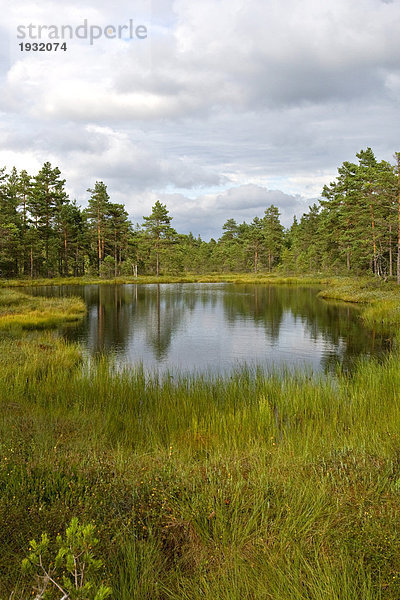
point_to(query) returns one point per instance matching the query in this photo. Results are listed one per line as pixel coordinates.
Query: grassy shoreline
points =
(28, 312)
(254, 485)
(380, 300)
(248, 486)
(189, 278)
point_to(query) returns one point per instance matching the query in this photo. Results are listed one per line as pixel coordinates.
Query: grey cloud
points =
(269, 67)
(64, 139)
(144, 170)
(276, 62)
(228, 104)
(205, 215)
(253, 197)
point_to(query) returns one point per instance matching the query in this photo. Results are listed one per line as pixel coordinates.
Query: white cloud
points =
(224, 102)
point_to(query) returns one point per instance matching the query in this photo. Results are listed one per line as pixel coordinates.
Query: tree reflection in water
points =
(218, 326)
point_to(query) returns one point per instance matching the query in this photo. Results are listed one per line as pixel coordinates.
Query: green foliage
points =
(254, 485)
(107, 267)
(353, 229)
(358, 220)
(67, 568)
(159, 232)
(273, 235)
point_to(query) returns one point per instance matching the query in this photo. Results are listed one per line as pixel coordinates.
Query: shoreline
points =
(380, 300)
(190, 479)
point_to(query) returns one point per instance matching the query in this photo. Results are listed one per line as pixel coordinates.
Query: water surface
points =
(216, 327)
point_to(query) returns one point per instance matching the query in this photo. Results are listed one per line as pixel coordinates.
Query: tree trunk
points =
(99, 243)
(76, 263)
(115, 257)
(373, 239)
(65, 254)
(47, 234)
(24, 237)
(398, 236)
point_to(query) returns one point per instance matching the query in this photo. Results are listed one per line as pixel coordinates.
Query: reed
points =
(256, 485)
(259, 485)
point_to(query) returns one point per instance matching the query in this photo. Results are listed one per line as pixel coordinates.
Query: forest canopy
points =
(354, 229)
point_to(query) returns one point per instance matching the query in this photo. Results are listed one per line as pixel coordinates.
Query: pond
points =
(214, 328)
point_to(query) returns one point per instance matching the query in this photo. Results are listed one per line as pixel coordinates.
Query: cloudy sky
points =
(226, 107)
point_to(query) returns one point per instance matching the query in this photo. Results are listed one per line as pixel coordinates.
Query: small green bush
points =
(68, 568)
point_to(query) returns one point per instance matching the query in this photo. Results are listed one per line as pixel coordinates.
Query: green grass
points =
(248, 486)
(256, 485)
(381, 299)
(261, 278)
(29, 312)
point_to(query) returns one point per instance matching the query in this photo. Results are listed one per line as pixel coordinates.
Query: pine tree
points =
(255, 241)
(96, 214)
(118, 228)
(46, 199)
(158, 229)
(397, 156)
(72, 234)
(10, 224)
(24, 190)
(230, 229)
(9, 233)
(273, 235)
(360, 207)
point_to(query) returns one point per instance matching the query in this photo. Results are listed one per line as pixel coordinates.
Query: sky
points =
(223, 108)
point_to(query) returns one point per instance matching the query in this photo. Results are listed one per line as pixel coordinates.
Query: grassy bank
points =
(381, 300)
(250, 486)
(28, 312)
(263, 278)
(240, 487)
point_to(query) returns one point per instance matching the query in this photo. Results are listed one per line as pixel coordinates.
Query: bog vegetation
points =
(248, 486)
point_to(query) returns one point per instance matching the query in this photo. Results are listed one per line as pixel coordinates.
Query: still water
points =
(216, 327)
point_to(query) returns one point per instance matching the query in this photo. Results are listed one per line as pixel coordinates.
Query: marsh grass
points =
(22, 311)
(244, 486)
(252, 485)
(272, 278)
(380, 300)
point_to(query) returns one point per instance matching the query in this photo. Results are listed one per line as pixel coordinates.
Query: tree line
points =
(354, 228)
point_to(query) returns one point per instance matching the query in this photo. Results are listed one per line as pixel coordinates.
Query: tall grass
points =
(252, 485)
